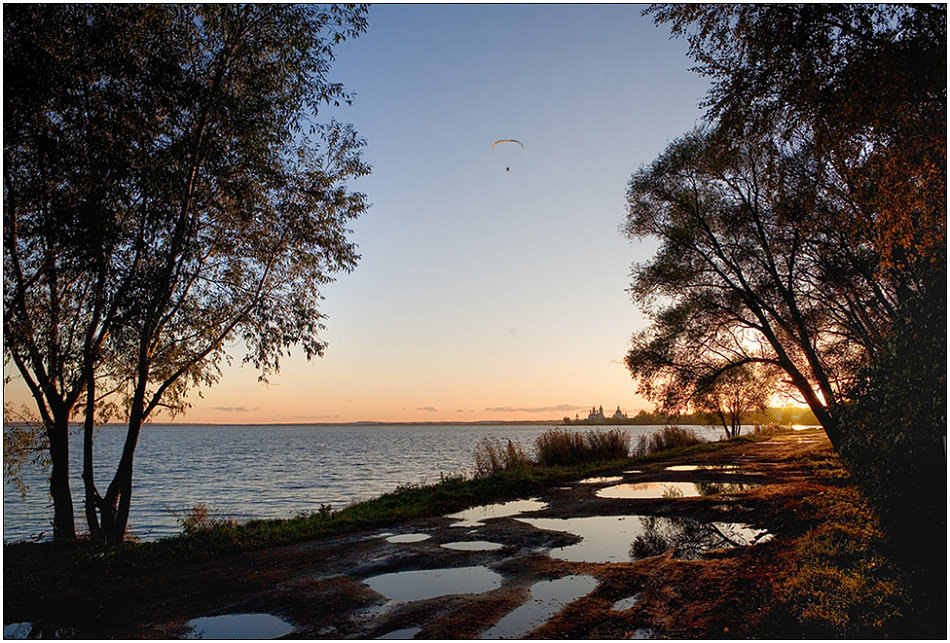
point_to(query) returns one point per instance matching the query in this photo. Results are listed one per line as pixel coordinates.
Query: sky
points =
(492, 284)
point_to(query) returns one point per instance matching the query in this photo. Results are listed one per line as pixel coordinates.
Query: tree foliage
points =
(863, 85)
(796, 225)
(168, 193)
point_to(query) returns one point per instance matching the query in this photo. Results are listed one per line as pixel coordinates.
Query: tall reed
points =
(670, 437)
(560, 447)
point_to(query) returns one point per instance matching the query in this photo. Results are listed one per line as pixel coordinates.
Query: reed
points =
(493, 456)
(671, 437)
(559, 447)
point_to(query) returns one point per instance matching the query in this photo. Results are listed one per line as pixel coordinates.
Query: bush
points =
(492, 456)
(895, 444)
(670, 437)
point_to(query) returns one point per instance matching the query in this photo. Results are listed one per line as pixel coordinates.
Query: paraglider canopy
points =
(507, 140)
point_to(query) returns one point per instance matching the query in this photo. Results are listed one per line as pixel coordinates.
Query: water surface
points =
(263, 471)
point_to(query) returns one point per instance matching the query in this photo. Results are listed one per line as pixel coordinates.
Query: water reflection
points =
(613, 539)
(702, 467)
(646, 490)
(408, 538)
(688, 539)
(601, 480)
(238, 626)
(407, 633)
(625, 603)
(547, 599)
(421, 584)
(473, 545)
(474, 516)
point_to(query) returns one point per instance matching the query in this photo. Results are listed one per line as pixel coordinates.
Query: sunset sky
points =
(485, 294)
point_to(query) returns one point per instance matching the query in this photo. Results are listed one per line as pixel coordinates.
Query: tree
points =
(795, 225)
(168, 193)
(734, 395)
(864, 86)
(736, 281)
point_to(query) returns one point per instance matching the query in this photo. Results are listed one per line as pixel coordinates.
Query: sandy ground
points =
(324, 589)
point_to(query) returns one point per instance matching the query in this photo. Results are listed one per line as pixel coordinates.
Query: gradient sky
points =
(485, 294)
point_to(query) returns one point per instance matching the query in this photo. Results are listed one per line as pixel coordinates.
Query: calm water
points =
(265, 471)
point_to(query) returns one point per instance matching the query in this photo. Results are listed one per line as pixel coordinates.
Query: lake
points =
(265, 471)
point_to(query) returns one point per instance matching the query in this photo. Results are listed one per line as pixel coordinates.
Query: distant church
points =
(596, 415)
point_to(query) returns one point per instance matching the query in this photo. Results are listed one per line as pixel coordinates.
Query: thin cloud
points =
(539, 409)
(235, 409)
(431, 409)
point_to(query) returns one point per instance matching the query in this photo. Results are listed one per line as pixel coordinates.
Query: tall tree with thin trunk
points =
(173, 195)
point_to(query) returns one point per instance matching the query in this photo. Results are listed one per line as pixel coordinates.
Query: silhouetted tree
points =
(799, 222)
(168, 193)
(734, 395)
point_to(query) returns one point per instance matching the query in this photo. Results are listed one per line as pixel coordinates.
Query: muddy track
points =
(679, 565)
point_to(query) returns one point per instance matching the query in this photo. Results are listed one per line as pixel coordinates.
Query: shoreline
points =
(777, 584)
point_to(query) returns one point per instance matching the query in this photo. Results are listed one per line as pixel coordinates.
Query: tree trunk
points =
(64, 524)
(93, 501)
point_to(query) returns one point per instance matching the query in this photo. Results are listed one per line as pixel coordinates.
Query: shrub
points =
(670, 437)
(492, 456)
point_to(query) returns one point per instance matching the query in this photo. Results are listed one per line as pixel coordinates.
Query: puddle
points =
(644, 490)
(626, 603)
(475, 516)
(408, 633)
(421, 584)
(702, 467)
(547, 599)
(606, 539)
(634, 471)
(408, 538)
(17, 630)
(615, 539)
(601, 480)
(238, 626)
(473, 545)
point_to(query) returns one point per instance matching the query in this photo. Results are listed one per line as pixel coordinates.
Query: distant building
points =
(619, 415)
(596, 416)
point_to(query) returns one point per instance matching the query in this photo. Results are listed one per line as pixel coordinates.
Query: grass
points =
(836, 579)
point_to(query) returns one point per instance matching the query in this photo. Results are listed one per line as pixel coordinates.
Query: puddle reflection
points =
(238, 626)
(645, 490)
(408, 633)
(408, 538)
(475, 516)
(421, 584)
(547, 599)
(625, 603)
(702, 467)
(473, 545)
(689, 539)
(601, 480)
(614, 539)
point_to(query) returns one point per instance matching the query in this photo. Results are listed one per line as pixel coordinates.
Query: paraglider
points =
(507, 140)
